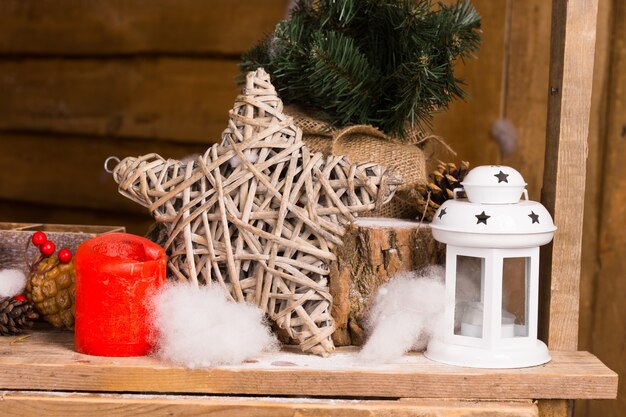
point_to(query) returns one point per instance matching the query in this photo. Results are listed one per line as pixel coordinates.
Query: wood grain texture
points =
(466, 125)
(77, 27)
(19, 211)
(188, 99)
(525, 100)
(590, 265)
(571, 75)
(14, 246)
(609, 334)
(600, 108)
(162, 98)
(75, 175)
(553, 408)
(46, 361)
(14, 404)
(373, 251)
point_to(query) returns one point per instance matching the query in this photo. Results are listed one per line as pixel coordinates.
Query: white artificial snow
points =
(251, 156)
(12, 282)
(408, 310)
(405, 313)
(342, 359)
(199, 327)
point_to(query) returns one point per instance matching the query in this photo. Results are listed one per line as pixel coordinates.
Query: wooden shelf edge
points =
(46, 361)
(95, 405)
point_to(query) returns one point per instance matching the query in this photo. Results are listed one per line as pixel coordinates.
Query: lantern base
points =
(502, 357)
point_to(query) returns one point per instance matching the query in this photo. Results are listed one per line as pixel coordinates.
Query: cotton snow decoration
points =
(200, 327)
(12, 282)
(405, 313)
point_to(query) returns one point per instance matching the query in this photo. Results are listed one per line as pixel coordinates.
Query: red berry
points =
(39, 238)
(19, 297)
(47, 248)
(65, 256)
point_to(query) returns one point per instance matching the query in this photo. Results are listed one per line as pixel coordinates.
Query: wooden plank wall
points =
(82, 80)
(605, 334)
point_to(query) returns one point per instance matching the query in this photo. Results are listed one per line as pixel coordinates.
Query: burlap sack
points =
(363, 143)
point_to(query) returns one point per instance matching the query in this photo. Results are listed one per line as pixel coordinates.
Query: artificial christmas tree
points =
(384, 63)
(363, 78)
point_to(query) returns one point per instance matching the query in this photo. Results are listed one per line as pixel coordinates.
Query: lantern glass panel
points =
(469, 296)
(515, 296)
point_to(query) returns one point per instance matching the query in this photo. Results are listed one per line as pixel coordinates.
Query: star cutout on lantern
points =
(482, 218)
(502, 177)
(534, 217)
(442, 213)
(259, 214)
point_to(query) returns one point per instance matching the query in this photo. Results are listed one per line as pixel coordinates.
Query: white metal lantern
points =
(492, 272)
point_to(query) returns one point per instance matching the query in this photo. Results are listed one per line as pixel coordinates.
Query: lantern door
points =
(492, 295)
(467, 278)
(520, 293)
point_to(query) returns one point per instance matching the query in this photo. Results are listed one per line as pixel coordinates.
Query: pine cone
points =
(15, 316)
(52, 289)
(444, 180)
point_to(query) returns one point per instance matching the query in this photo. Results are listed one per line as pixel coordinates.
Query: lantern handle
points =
(456, 191)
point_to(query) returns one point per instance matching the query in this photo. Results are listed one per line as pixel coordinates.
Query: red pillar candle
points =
(115, 274)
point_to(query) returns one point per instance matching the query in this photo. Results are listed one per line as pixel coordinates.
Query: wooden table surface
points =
(46, 361)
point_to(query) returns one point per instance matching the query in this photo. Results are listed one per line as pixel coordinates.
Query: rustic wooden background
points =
(83, 80)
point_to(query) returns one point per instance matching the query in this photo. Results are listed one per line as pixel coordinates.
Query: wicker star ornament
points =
(259, 213)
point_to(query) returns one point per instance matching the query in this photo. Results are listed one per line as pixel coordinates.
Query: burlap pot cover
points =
(364, 143)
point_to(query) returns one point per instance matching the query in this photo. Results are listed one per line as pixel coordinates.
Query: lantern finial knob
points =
(494, 184)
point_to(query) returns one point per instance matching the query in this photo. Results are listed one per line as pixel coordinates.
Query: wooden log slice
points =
(373, 251)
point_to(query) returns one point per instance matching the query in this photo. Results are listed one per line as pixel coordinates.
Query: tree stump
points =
(373, 251)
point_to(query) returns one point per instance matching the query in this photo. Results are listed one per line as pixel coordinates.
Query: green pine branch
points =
(380, 62)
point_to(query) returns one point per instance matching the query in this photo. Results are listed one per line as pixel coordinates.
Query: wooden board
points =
(15, 247)
(609, 334)
(571, 75)
(46, 361)
(19, 211)
(69, 27)
(13, 404)
(187, 98)
(182, 99)
(594, 186)
(554, 408)
(73, 169)
(525, 87)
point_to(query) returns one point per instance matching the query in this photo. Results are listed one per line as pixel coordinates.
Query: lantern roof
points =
(493, 216)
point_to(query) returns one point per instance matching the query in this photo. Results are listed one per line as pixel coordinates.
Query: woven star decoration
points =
(259, 213)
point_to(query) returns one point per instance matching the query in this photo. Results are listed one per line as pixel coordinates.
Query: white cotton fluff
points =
(12, 282)
(251, 156)
(405, 313)
(200, 327)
